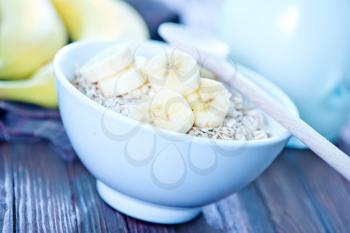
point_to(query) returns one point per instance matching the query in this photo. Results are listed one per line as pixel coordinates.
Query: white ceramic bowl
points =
(153, 174)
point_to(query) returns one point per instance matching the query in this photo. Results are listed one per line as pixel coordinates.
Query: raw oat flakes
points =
(244, 122)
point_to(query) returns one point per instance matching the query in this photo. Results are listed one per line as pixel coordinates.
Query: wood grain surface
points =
(41, 193)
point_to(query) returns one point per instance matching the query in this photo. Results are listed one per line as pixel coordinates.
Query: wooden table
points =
(41, 193)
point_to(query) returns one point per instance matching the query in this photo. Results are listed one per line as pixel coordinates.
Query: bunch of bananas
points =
(32, 31)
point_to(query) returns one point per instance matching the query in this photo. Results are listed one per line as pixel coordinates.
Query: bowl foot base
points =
(144, 210)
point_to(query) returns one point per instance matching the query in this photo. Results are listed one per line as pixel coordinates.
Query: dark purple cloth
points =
(23, 122)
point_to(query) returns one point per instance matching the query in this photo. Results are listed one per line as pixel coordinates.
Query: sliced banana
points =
(173, 70)
(170, 110)
(210, 103)
(107, 63)
(166, 109)
(125, 81)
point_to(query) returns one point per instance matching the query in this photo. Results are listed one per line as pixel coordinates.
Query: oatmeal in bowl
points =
(170, 91)
(162, 143)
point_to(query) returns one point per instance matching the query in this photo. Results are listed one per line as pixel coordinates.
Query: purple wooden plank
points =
(136, 226)
(241, 212)
(256, 211)
(93, 215)
(289, 204)
(42, 194)
(233, 214)
(328, 191)
(6, 191)
(199, 224)
(299, 193)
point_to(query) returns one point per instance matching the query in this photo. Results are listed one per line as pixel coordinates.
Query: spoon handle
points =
(305, 133)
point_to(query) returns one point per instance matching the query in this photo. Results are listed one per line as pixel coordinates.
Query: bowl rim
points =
(62, 79)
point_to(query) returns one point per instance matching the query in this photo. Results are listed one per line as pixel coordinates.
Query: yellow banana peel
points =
(40, 89)
(101, 19)
(31, 33)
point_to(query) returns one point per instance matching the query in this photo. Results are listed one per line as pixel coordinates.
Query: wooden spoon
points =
(176, 35)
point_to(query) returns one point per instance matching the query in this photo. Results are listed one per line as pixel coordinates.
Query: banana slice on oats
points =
(210, 103)
(125, 81)
(173, 70)
(166, 109)
(170, 110)
(107, 63)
